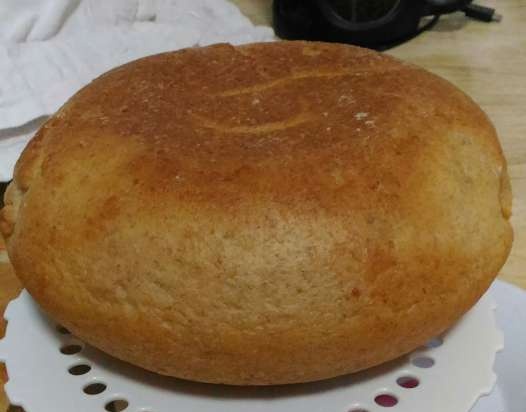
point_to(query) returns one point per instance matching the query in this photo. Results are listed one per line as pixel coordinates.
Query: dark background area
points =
(3, 186)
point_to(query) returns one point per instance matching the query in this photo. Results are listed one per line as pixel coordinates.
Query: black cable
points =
(481, 13)
(473, 11)
(429, 25)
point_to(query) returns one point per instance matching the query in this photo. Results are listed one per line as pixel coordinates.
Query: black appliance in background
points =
(376, 24)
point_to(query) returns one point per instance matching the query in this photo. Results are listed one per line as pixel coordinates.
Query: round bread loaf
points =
(264, 214)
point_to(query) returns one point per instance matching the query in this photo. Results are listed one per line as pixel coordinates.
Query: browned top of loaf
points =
(210, 126)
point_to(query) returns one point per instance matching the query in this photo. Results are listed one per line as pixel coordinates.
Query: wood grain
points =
(488, 61)
(10, 287)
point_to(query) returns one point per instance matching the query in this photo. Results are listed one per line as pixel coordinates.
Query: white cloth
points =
(51, 48)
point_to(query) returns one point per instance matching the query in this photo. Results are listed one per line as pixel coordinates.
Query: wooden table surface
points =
(488, 61)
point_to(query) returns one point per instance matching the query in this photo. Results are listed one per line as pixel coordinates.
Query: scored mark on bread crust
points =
(300, 75)
(276, 82)
(268, 127)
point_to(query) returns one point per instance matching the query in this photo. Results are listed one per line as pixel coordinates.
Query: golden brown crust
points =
(264, 214)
